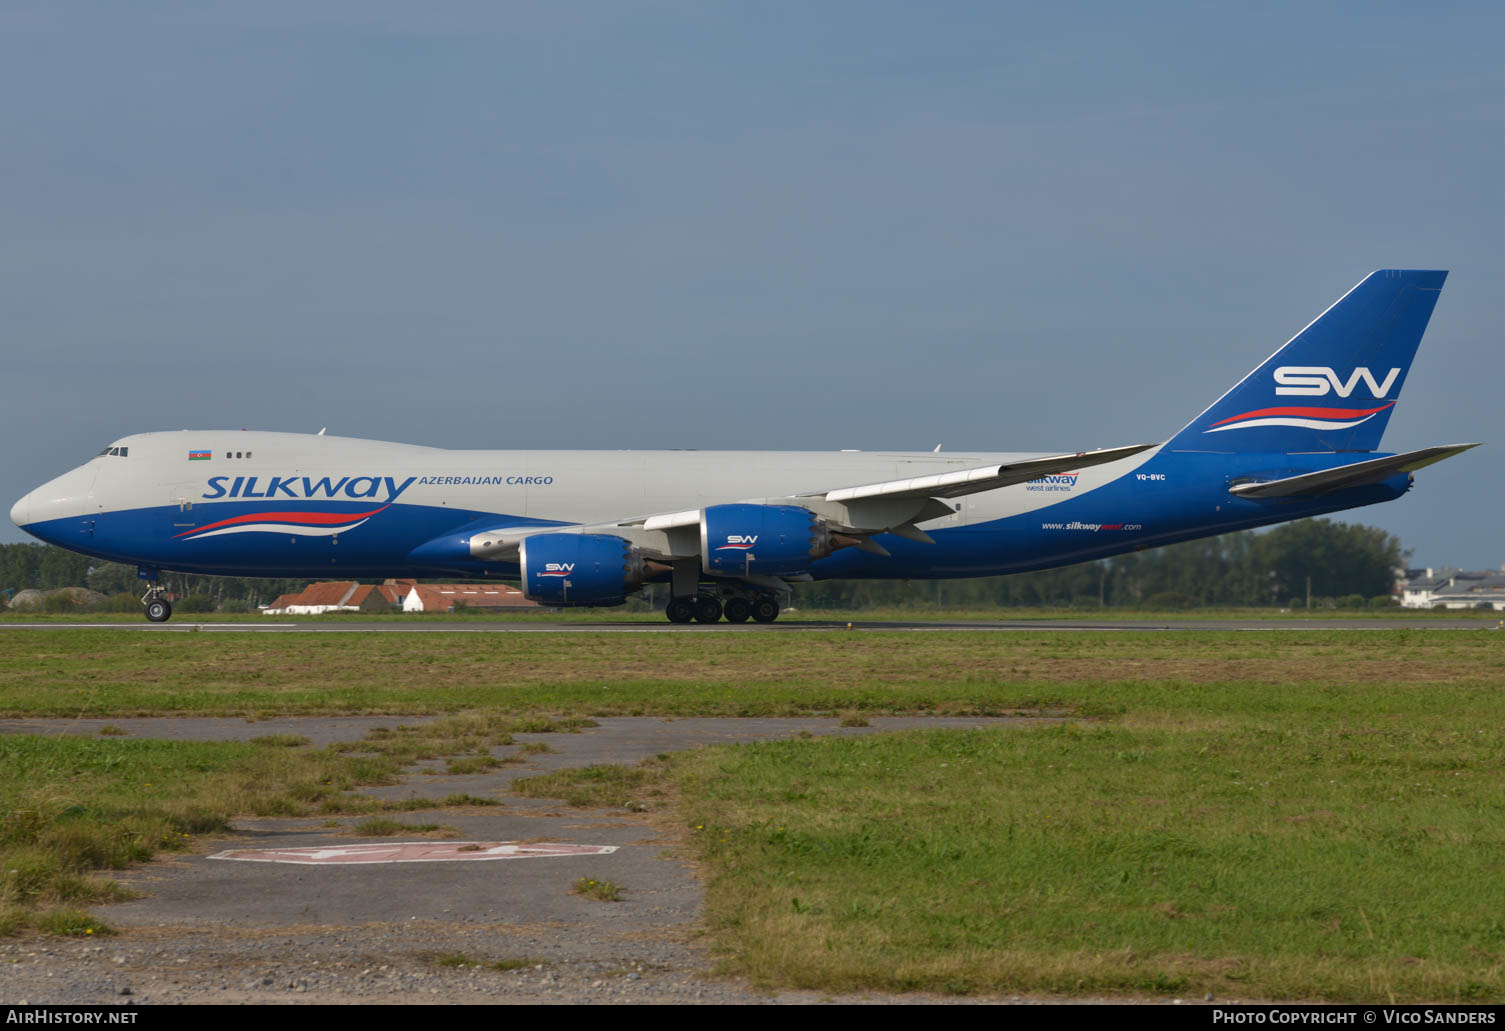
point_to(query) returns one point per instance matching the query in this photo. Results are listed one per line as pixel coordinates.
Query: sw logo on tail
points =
(1315, 381)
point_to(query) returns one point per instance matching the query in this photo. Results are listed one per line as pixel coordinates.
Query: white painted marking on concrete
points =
(412, 852)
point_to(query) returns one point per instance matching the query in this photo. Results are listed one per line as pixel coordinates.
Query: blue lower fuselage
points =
(1175, 496)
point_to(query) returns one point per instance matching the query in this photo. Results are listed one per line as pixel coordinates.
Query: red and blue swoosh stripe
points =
(1299, 418)
(301, 524)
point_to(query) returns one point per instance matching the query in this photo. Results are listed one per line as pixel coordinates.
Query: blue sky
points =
(755, 225)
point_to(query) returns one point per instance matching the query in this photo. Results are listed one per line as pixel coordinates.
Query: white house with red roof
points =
(397, 596)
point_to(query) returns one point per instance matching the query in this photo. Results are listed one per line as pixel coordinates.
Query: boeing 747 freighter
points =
(729, 531)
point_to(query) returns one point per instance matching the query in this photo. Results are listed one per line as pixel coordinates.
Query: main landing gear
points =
(765, 609)
(158, 608)
(707, 608)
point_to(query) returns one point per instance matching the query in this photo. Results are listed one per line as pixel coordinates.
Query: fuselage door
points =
(181, 511)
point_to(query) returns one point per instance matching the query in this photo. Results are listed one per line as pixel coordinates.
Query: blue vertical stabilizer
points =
(1333, 386)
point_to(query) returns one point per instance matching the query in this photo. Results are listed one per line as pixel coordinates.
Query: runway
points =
(650, 625)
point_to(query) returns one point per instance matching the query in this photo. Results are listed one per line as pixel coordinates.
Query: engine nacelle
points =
(772, 540)
(579, 568)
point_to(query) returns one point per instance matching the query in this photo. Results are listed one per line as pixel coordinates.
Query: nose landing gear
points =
(158, 608)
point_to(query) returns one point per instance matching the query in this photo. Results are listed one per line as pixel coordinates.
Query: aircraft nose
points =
(20, 512)
(69, 496)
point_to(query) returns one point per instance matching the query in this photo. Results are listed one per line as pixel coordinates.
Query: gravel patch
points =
(206, 931)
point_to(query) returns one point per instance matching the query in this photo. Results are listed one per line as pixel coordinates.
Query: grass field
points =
(105, 673)
(1313, 815)
(1237, 856)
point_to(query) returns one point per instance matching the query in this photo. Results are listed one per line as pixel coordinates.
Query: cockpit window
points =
(119, 452)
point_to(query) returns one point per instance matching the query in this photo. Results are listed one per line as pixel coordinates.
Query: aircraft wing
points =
(1355, 475)
(939, 485)
(973, 481)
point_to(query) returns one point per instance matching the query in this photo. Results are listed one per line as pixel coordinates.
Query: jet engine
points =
(771, 540)
(580, 568)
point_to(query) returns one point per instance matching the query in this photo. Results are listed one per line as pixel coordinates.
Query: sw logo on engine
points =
(558, 569)
(739, 542)
(1317, 380)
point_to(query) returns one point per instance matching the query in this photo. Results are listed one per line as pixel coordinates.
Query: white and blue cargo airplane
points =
(728, 531)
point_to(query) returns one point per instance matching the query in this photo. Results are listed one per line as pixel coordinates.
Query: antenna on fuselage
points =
(937, 450)
(321, 432)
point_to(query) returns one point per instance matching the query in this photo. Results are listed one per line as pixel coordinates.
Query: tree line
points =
(45, 567)
(1318, 558)
(1326, 561)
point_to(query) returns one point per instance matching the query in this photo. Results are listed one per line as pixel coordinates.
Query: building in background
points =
(397, 596)
(1454, 589)
(316, 599)
(447, 597)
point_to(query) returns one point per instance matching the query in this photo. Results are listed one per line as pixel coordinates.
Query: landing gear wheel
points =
(158, 611)
(737, 610)
(707, 609)
(765, 610)
(680, 610)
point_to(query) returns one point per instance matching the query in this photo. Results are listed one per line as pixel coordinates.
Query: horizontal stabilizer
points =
(988, 477)
(1356, 475)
